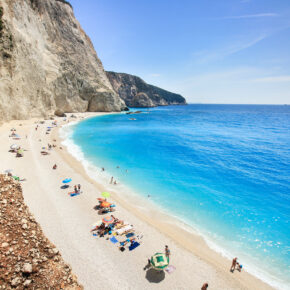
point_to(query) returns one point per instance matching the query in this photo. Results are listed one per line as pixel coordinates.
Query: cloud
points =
(206, 56)
(273, 79)
(260, 15)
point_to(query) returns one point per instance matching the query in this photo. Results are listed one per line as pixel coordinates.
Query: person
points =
(118, 166)
(204, 286)
(115, 182)
(239, 267)
(167, 251)
(234, 263)
(75, 188)
(79, 187)
(103, 169)
(112, 179)
(54, 166)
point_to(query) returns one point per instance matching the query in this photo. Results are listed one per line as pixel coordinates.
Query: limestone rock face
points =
(136, 93)
(47, 62)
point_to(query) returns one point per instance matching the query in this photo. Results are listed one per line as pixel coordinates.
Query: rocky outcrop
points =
(28, 260)
(47, 62)
(136, 93)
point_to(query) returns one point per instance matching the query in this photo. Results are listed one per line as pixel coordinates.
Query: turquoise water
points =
(222, 169)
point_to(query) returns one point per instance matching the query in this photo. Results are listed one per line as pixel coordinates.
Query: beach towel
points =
(114, 240)
(170, 269)
(134, 246)
(74, 193)
(130, 235)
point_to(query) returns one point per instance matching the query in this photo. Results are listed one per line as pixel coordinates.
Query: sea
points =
(223, 170)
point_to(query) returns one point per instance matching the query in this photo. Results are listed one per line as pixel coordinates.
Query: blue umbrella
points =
(67, 180)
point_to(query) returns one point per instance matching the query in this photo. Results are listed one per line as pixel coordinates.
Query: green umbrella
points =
(159, 261)
(106, 194)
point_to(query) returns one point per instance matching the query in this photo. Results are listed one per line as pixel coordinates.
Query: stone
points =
(55, 251)
(27, 268)
(24, 226)
(59, 113)
(27, 283)
(4, 245)
(15, 282)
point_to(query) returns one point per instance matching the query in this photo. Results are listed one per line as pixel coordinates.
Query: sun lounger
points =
(124, 229)
(130, 235)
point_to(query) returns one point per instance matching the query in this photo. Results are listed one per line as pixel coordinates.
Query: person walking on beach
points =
(112, 179)
(79, 187)
(167, 251)
(234, 263)
(76, 190)
(204, 286)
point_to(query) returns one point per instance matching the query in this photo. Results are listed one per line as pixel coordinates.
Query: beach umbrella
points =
(159, 261)
(14, 146)
(105, 204)
(106, 194)
(67, 180)
(108, 220)
(16, 136)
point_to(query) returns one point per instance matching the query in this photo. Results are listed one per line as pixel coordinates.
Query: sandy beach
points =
(67, 222)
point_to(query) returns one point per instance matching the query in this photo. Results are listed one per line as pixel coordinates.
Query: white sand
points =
(98, 263)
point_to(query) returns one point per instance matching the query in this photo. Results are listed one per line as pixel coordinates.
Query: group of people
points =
(113, 181)
(104, 229)
(236, 265)
(77, 188)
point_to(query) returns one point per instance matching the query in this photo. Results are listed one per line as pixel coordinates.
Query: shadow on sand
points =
(154, 276)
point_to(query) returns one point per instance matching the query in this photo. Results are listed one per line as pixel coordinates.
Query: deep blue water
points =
(223, 169)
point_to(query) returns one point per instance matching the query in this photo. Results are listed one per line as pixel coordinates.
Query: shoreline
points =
(206, 264)
(189, 238)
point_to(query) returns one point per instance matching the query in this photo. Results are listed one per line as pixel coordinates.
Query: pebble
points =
(4, 245)
(27, 283)
(27, 268)
(16, 281)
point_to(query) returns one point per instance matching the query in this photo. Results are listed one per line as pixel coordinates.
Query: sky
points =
(209, 51)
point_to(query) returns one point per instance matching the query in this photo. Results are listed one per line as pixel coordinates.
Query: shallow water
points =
(222, 169)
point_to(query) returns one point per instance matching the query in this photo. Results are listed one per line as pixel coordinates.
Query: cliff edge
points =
(137, 93)
(47, 62)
